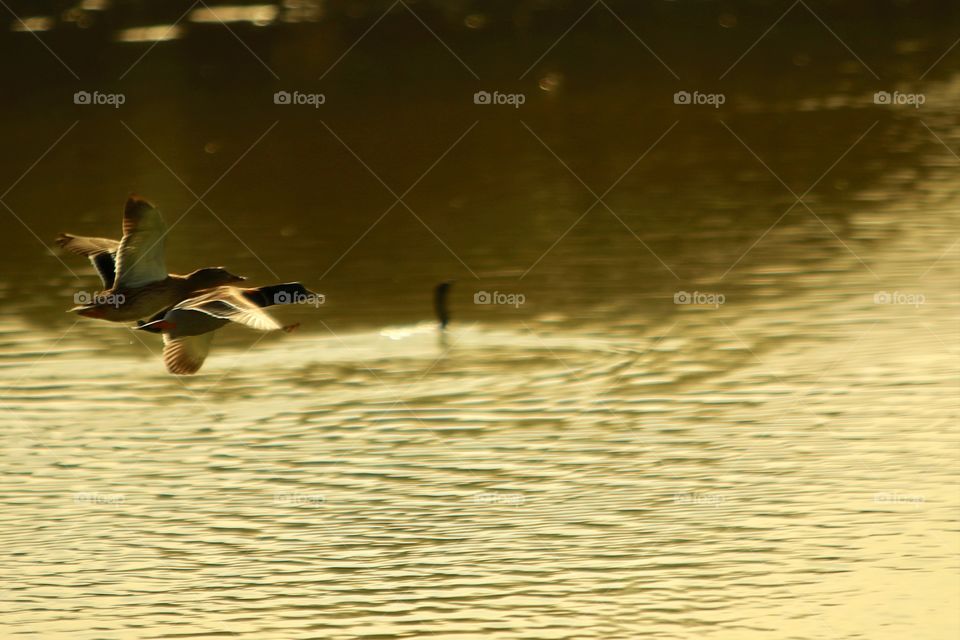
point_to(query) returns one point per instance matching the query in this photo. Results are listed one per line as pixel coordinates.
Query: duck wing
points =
(196, 319)
(185, 355)
(101, 251)
(229, 303)
(140, 257)
(83, 246)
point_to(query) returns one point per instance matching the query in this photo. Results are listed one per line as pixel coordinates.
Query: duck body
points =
(126, 304)
(188, 327)
(133, 269)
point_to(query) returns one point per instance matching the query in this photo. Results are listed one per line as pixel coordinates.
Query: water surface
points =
(598, 462)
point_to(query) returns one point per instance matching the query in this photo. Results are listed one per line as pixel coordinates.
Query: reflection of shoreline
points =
(292, 37)
(96, 19)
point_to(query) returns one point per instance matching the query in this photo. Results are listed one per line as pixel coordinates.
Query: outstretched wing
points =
(87, 246)
(140, 258)
(101, 251)
(229, 303)
(184, 356)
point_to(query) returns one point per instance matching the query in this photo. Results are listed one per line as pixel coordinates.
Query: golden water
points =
(599, 462)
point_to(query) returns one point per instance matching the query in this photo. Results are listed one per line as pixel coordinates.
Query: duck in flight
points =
(189, 326)
(134, 271)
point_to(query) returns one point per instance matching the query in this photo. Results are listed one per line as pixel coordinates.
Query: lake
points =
(700, 379)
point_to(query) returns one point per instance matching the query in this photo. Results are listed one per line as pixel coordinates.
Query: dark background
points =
(298, 200)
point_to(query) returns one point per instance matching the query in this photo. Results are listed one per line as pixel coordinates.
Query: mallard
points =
(134, 272)
(188, 327)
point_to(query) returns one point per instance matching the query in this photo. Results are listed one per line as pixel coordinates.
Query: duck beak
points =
(93, 312)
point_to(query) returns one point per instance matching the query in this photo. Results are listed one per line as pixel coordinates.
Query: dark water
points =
(599, 461)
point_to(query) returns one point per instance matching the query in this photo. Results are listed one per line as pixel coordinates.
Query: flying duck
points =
(188, 327)
(134, 272)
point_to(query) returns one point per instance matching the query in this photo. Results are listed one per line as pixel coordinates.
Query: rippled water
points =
(598, 463)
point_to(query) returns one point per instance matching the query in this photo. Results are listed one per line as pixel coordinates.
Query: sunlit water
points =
(600, 463)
